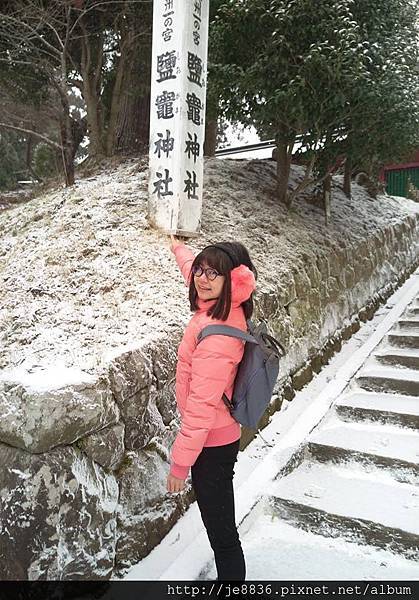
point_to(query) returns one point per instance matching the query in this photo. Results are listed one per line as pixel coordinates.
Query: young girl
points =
(221, 282)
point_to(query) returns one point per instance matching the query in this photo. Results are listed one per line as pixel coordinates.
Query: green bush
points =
(45, 161)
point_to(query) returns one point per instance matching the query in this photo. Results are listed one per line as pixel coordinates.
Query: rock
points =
(129, 374)
(37, 417)
(302, 283)
(146, 511)
(58, 516)
(131, 377)
(166, 402)
(302, 377)
(106, 447)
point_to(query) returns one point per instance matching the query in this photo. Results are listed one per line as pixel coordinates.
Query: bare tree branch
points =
(84, 11)
(33, 31)
(31, 132)
(60, 41)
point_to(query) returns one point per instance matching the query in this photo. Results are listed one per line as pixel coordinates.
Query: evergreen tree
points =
(12, 162)
(307, 70)
(384, 121)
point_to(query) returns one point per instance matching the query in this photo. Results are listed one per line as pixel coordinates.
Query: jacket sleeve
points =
(184, 258)
(214, 364)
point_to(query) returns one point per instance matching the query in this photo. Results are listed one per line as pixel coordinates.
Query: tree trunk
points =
(72, 133)
(78, 131)
(67, 138)
(91, 69)
(283, 167)
(347, 177)
(327, 197)
(129, 126)
(68, 163)
(94, 117)
(115, 105)
(133, 125)
(67, 142)
(210, 142)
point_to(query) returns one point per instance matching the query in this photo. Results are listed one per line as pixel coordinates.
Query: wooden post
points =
(177, 115)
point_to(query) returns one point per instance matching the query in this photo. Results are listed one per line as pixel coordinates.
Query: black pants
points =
(212, 481)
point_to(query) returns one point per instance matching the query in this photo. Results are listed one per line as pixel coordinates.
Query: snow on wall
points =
(93, 308)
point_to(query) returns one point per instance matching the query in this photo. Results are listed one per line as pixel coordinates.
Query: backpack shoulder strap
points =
(225, 330)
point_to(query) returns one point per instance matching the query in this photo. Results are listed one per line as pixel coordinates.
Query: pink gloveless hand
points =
(174, 484)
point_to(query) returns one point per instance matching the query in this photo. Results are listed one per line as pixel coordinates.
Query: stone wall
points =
(82, 488)
(329, 298)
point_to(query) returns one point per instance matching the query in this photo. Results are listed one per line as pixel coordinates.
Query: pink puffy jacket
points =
(206, 371)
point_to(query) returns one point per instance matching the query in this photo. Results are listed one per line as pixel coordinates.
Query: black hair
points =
(223, 257)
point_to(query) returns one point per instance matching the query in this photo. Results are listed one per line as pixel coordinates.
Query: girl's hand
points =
(174, 484)
(174, 243)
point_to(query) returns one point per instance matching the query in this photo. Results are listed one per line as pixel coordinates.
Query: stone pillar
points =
(177, 128)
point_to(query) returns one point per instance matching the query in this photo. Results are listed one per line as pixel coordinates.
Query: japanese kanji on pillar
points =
(177, 119)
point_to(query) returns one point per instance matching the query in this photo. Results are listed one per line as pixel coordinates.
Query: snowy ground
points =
(84, 278)
(307, 556)
(274, 549)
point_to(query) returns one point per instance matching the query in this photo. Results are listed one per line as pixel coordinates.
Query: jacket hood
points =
(243, 283)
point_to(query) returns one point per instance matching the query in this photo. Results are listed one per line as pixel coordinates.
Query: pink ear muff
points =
(243, 283)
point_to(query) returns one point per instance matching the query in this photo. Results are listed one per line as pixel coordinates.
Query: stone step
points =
(283, 552)
(404, 340)
(399, 381)
(407, 325)
(387, 447)
(405, 357)
(334, 502)
(413, 310)
(396, 409)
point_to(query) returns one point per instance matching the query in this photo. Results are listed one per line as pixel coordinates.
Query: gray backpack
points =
(257, 371)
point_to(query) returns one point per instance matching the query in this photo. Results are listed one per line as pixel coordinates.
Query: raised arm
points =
(184, 258)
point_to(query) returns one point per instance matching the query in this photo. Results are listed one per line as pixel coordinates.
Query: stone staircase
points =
(330, 490)
(352, 493)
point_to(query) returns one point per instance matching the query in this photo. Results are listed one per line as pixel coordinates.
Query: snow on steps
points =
(386, 379)
(408, 324)
(351, 496)
(404, 339)
(387, 448)
(287, 554)
(366, 450)
(403, 357)
(334, 501)
(335, 558)
(396, 409)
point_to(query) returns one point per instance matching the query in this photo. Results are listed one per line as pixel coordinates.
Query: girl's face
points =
(207, 289)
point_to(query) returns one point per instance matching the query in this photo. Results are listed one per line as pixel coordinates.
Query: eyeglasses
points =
(210, 273)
